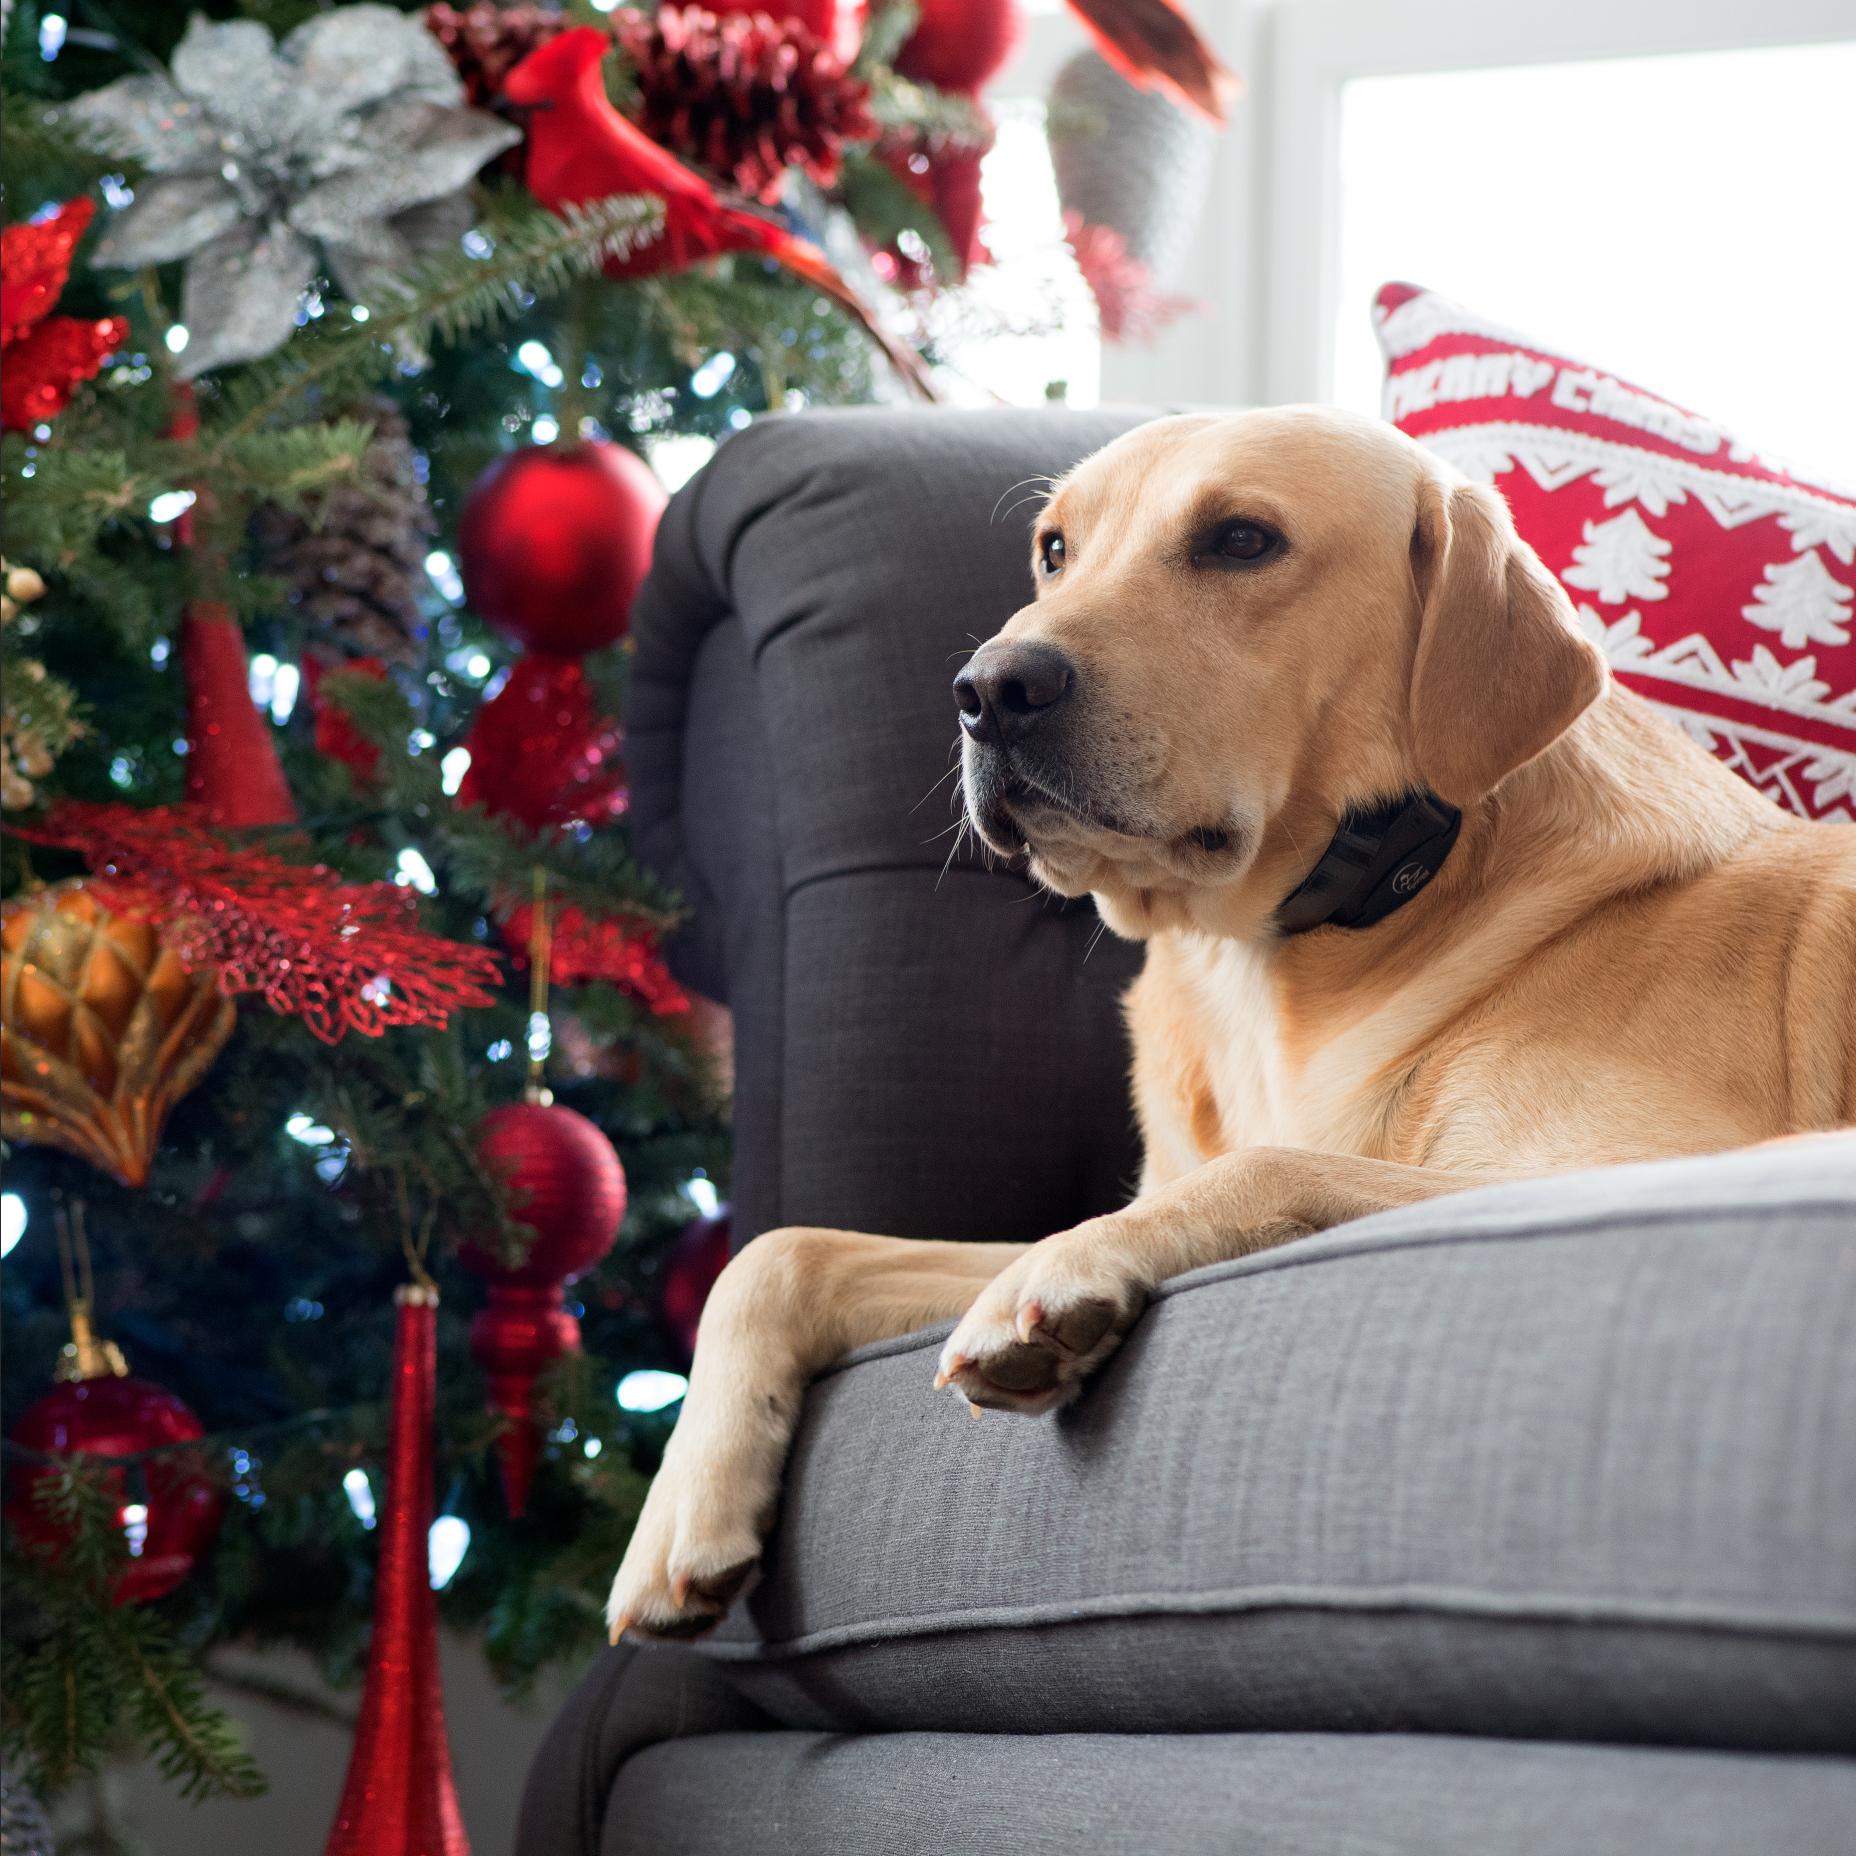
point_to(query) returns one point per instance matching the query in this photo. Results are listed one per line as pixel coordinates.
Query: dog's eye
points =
(1050, 554)
(1243, 541)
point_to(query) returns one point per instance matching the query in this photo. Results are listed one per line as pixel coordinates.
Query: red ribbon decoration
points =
(399, 1799)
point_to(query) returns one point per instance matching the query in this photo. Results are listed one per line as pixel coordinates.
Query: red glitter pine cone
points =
(744, 95)
(486, 42)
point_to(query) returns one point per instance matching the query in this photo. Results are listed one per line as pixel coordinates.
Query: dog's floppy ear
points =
(1501, 669)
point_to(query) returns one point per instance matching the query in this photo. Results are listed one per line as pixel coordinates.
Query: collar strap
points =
(1378, 860)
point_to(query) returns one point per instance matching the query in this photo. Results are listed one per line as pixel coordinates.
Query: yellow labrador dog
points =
(1428, 902)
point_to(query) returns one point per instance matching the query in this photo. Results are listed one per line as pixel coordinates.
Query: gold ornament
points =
(23, 585)
(102, 1030)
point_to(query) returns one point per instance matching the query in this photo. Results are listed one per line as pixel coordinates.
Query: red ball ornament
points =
(568, 1187)
(697, 1258)
(555, 540)
(541, 752)
(168, 1509)
(960, 44)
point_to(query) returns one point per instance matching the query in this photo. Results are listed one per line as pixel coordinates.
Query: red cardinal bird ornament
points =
(580, 148)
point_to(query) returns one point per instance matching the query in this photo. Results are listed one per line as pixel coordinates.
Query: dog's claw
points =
(620, 1626)
(973, 1410)
(1030, 1318)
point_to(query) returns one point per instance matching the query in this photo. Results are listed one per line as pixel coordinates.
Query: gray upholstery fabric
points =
(628, 1701)
(796, 1794)
(790, 717)
(1569, 1459)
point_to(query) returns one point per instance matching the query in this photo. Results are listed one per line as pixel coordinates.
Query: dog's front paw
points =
(677, 1579)
(1045, 1323)
(697, 1539)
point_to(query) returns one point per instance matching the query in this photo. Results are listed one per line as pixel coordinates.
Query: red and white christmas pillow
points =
(1718, 585)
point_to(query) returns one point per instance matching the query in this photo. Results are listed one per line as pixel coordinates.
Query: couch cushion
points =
(1565, 1459)
(799, 1794)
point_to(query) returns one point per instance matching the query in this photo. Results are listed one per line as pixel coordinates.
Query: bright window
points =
(1683, 221)
(1025, 326)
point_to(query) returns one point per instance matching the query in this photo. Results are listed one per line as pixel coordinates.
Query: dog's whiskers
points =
(930, 793)
(1049, 484)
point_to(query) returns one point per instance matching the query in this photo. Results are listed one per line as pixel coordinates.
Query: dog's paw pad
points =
(1078, 1329)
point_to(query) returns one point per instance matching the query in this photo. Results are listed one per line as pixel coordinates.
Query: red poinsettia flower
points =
(46, 357)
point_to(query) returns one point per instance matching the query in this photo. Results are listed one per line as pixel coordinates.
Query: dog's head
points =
(1244, 627)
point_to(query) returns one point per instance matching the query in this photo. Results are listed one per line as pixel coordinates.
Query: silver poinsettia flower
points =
(351, 137)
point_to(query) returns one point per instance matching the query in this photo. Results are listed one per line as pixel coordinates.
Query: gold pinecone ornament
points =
(353, 558)
(102, 1029)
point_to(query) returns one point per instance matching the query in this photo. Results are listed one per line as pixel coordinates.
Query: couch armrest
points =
(924, 1055)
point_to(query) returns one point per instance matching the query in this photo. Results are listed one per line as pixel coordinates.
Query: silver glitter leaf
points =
(173, 214)
(146, 120)
(362, 54)
(239, 300)
(232, 68)
(344, 137)
(423, 153)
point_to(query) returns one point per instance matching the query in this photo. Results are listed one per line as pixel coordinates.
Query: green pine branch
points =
(94, 1669)
(531, 253)
(885, 206)
(62, 497)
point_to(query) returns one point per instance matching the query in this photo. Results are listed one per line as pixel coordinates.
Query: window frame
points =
(1312, 48)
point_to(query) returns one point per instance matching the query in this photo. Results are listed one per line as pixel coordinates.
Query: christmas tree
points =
(366, 1163)
(336, 342)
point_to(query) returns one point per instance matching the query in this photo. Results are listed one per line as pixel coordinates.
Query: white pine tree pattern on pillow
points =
(1823, 528)
(1619, 560)
(1749, 646)
(1803, 602)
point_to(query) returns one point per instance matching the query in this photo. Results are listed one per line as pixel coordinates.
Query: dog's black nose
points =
(1008, 687)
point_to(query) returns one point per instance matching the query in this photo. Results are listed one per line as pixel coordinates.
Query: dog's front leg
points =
(787, 1306)
(1049, 1319)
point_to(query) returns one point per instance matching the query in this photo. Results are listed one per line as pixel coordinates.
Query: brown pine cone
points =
(744, 96)
(354, 561)
(486, 42)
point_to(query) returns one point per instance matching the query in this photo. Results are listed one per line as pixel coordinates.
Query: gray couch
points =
(1521, 1522)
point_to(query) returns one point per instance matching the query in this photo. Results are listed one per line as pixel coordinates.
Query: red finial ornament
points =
(569, 1188)
(399, 1799)
(233, 774)
(540, 751)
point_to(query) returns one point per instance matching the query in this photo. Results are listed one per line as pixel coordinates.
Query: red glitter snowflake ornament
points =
(340, 956)
(46, 357)
(616, 948)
